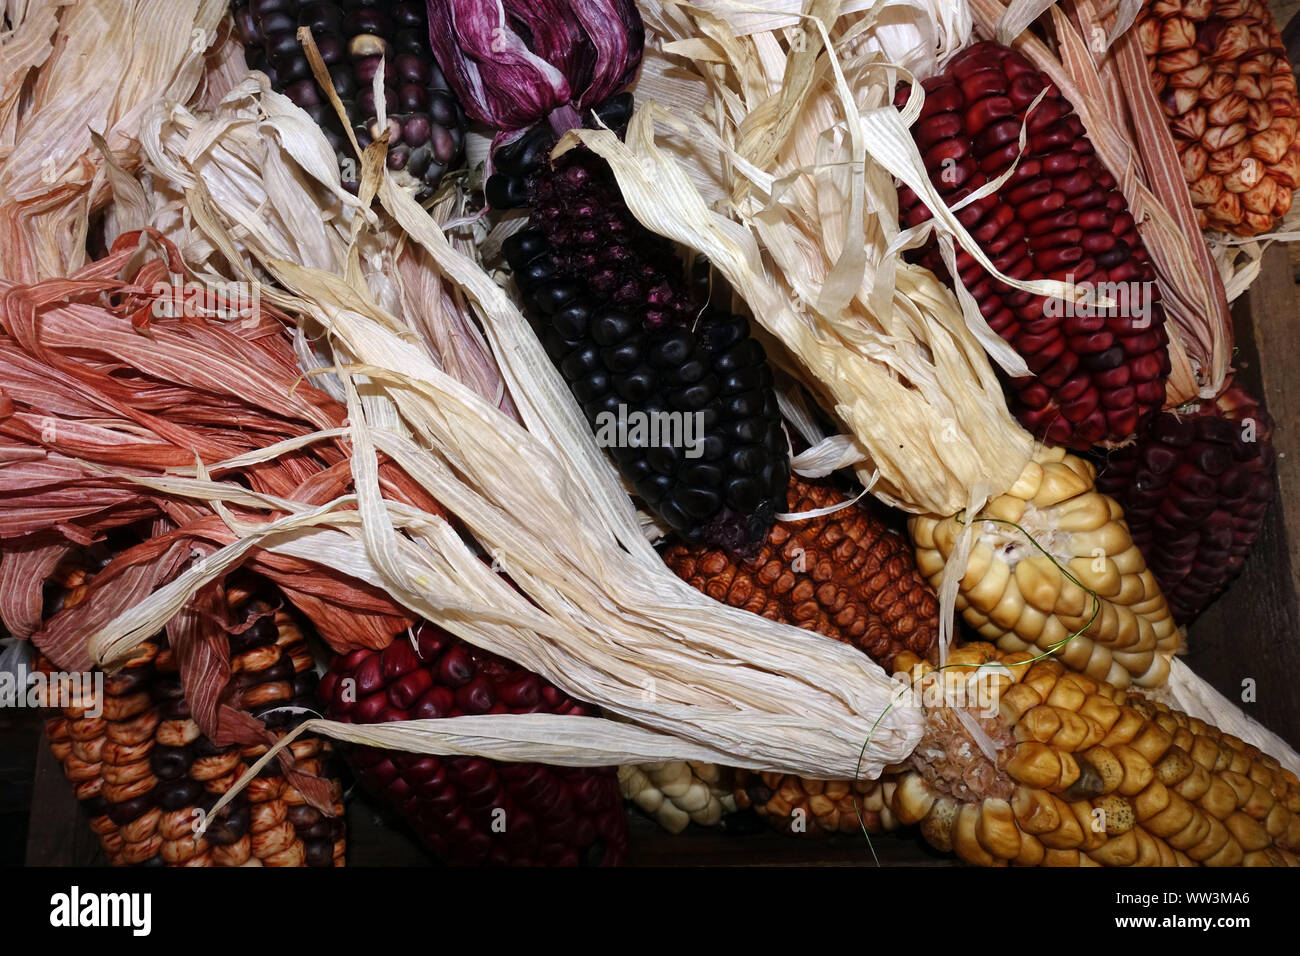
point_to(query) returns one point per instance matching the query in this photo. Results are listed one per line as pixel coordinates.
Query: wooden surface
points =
(1253, 630)
(58, 833)
(18, 729)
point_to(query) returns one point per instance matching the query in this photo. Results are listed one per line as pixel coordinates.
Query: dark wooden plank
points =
(17, 769)
(377, 837)
(58, 832)
(650, 845)
(1253, 630)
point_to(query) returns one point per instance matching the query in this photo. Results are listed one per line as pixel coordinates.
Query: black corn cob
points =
(612, 306)
(426, 125)
(1195, 487)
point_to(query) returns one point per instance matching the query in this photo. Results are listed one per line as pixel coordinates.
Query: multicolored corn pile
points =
(1195, 487)
(1098, 369)
(467, 810)
(1221, 73)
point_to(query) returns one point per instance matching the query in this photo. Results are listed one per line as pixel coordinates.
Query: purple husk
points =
(572, 55)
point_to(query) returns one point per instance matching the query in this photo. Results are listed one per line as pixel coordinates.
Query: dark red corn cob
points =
(1096, 376)
(614, 310)
(467, 810)
(426, 124)
(1195, 487)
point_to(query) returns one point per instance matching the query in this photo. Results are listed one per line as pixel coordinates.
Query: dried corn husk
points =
(918, 36)
(69, 71)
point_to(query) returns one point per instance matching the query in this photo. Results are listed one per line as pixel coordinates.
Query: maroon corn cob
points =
(467, 810)
(1098, 372)
(1195, 487)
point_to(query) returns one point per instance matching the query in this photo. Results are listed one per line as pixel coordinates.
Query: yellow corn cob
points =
(1085, 773)
(1016, 595)
(1220, 71)
(678, 794)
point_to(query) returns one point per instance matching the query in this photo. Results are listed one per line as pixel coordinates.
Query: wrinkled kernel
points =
(868, 593)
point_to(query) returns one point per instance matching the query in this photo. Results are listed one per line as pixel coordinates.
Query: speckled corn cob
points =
(678, 794)
(1087, 774)
(145, 774)
(356, 38)
(1017, 595)
(1220, 71)
(844, 575)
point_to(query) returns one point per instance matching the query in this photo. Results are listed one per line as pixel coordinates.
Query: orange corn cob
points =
(1221, 73)
(844, 575)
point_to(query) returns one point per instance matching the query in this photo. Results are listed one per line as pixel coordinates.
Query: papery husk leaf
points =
(856, 384)
(917, 35)
(111, 61)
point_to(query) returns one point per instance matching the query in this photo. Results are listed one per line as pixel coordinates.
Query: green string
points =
(1051, 650)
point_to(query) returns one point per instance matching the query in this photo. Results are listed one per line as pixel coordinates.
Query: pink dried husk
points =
(101, 385)
(515, 63)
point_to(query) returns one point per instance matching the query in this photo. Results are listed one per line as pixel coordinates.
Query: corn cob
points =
(146, 775)
(610, 302)
(1017, 595)
(844, 575)
(1220, 71)
(804, 807)
(425, 123)
(467, 810)
(1195, 488)
(1087, 774)
(1098, 371)
(678, 794)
